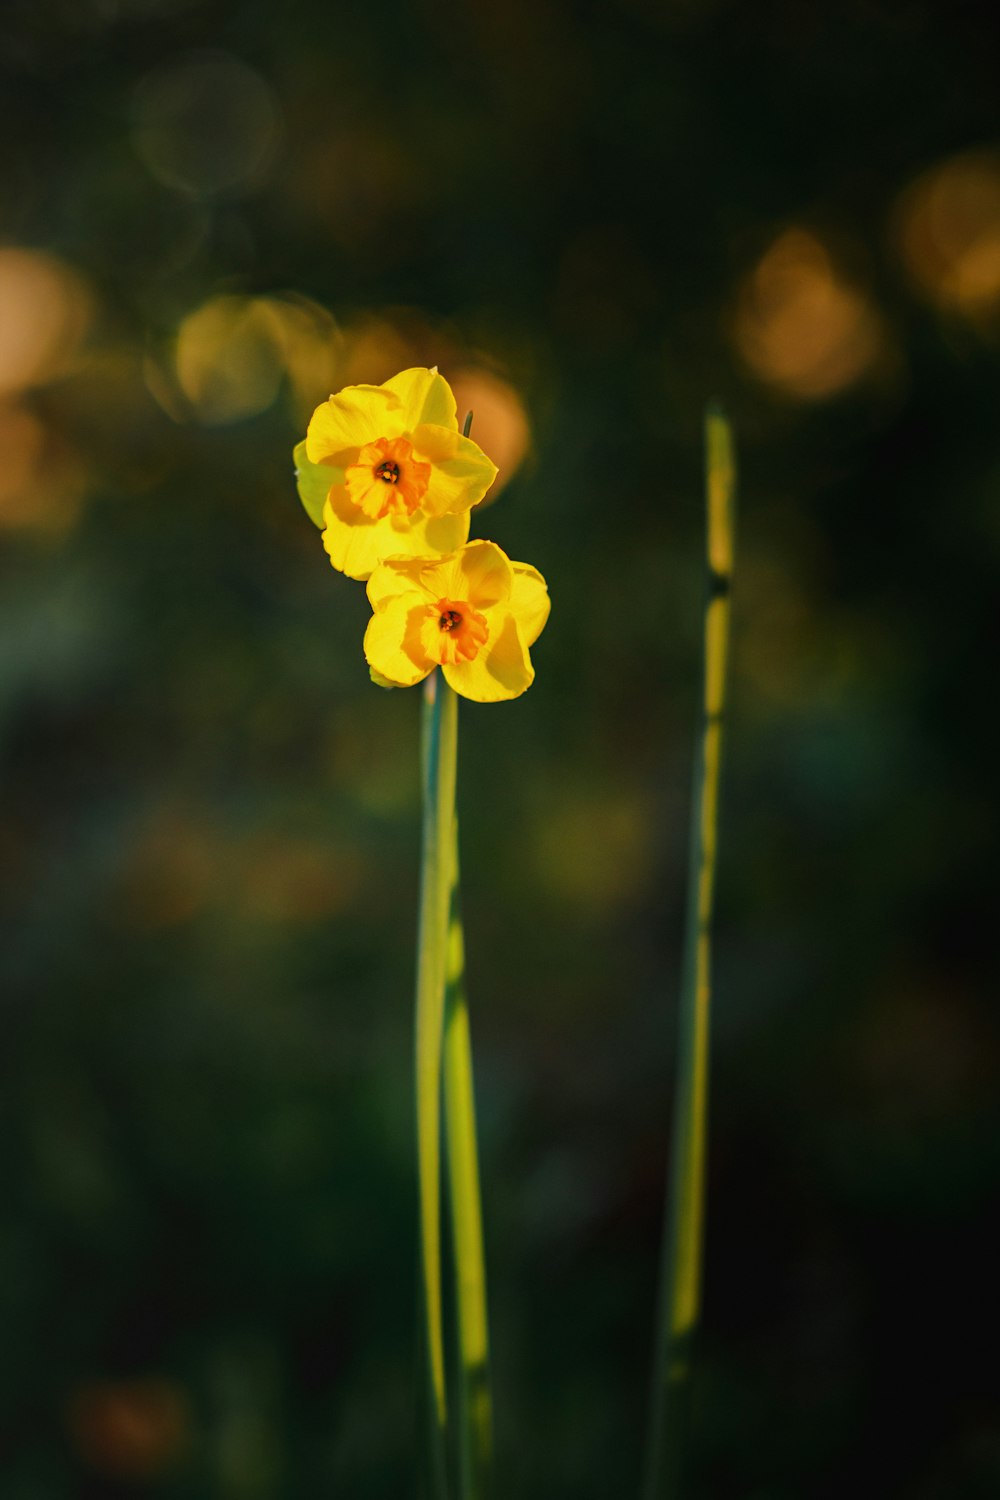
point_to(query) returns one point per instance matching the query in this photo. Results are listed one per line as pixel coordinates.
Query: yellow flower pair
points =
(392, 482)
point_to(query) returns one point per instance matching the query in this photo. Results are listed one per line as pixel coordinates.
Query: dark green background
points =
(210, 827)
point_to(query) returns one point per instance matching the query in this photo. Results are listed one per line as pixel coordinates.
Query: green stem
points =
(475, 1414)
(440, 753)
(475, 1409)
(680, 1270)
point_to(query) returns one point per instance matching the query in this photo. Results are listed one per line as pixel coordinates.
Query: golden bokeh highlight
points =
(42, 479)
(22, 439)
(801, 326)
(227, 364)
(45, 310)
(233, 354)
(311, 347)
(206, 123)
(376, 347)
(499, 421)
(129, 1430)
(948, 232)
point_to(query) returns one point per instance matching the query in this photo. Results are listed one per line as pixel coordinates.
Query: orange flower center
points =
(386, 479)
(453, 631)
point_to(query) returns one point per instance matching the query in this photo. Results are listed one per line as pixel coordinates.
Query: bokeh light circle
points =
(205, 123)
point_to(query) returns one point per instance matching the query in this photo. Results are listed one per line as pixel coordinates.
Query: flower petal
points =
(461, 472)
(392, 642)
(500, 671)
(529, 601)
(397, 575)
(425, 396)
(313, 483)
(354, 547)
(359, 414)
(356, 544)
(478, 573)
(428, 537)
(483, 575)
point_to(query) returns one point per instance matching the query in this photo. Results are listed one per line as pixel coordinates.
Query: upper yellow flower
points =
(386, 472)
(474, 614)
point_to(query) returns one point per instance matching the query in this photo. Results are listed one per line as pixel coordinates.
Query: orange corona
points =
(387, 479)
(453, 632)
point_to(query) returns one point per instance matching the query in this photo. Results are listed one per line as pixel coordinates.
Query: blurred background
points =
(592, 218)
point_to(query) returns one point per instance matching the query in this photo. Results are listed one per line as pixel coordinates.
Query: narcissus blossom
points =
(386, 472)
(474, 613)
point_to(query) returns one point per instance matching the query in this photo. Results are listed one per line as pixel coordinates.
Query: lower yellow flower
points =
(473, 613)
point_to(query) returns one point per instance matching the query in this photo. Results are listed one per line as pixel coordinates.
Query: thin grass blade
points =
(680, 1273)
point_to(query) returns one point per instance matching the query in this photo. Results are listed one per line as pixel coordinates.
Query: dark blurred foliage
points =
(212, 215)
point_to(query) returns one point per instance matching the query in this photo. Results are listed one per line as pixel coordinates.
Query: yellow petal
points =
(529, 601)
(392, 641)
(356, 544)
(478, 573)
(379, 680)
(354, 547)
(500, 671)
(460, 474)
(359, 414)
(425, 396)
(437, 575)
(483, 575)
(397, 575)
(429, 536)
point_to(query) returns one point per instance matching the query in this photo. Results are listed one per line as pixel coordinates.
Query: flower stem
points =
(475, 1411)
(439, 761)
(680, 1269)
(475, 1407)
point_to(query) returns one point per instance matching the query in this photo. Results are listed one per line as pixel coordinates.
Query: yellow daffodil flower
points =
(385, 472)
(474, 613)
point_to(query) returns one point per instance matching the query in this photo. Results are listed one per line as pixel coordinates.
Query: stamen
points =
(450, 620)
(388, 472)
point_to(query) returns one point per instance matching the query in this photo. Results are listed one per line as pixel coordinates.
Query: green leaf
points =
(439, 756)
(475, 1409)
